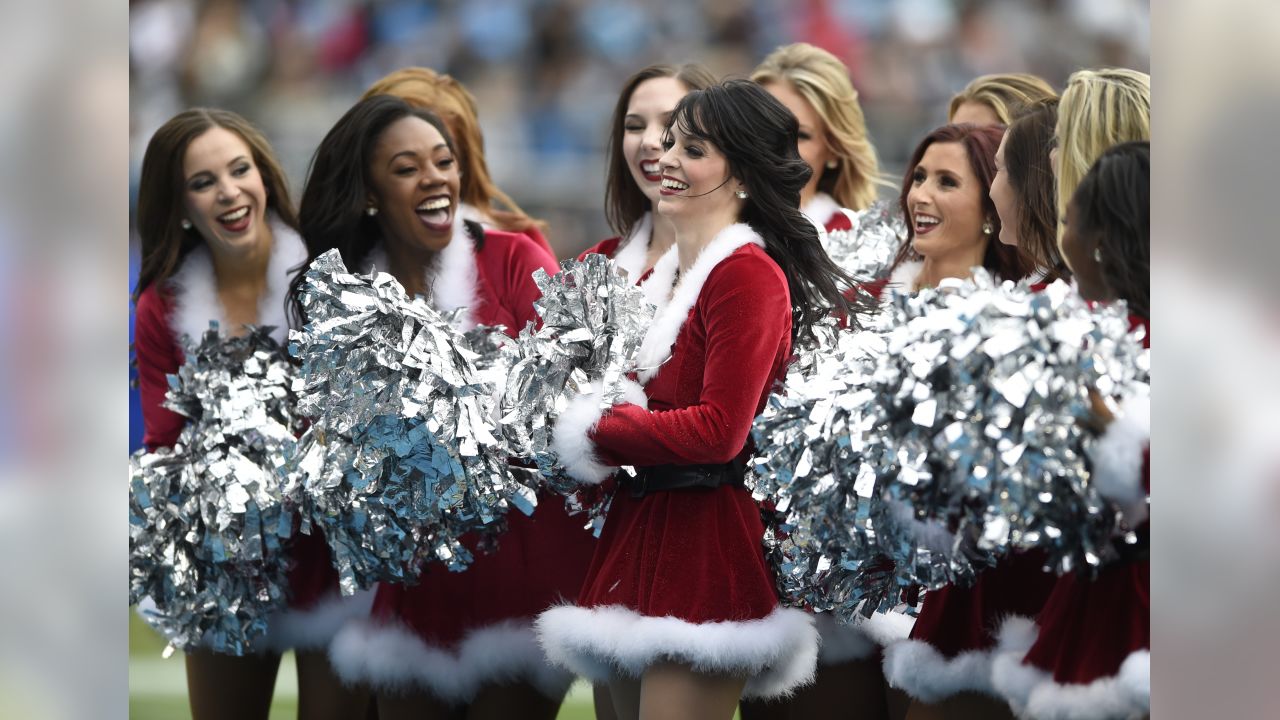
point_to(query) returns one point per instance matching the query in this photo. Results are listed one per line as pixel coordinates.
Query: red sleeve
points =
(604, 247)
(533, 233)
(746, 310)
(158, 355)
(523, 258)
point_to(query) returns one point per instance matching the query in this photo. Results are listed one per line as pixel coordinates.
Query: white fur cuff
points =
(571, 436)
(777, 653)
(1117, 458)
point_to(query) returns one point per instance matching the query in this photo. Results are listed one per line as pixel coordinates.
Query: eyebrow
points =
(414, 153)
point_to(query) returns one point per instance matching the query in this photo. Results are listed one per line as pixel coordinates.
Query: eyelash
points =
(805, 136)
(205, 183)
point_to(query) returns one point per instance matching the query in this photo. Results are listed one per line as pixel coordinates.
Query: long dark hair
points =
(1026, 158)
(624, 203)
(980, 143)
(1113, 201)
(332, 212)
(758, 136)
(160, 201)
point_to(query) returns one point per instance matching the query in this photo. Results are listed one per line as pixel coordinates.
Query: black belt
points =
(656, 478)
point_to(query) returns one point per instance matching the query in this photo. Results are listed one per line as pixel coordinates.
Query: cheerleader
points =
(679, 612)
(814, 85)
(481, 200)
(1023, 192)
(1088, 653)
(998, 99)
(634, 184)
(219, 238)
(384, 190)
(952, 226)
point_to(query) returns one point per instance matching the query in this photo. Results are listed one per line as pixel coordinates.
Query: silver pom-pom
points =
(210, 518)
(401, 461)
(867, 249)
(948, 437)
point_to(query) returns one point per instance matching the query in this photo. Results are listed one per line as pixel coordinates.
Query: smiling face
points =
(945, 202)
(225, 198)
(648, 109)
(813, 146)
(695, 178)
(414, 179)
(1003, 197)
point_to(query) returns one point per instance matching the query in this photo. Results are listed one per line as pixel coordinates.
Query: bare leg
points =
(625, 693)
(898, 701)
(226, 686)
(840, 689)
(416, 705)
(961, 706)
(322, 695)
(673, 691)
(603, 702)
(777, 709)
(522, 700)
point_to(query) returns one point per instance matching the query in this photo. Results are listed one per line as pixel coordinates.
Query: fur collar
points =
(673, 309)
(821, 209)
(633, 249)
(903, 278)
(195, 288)
(452, 277)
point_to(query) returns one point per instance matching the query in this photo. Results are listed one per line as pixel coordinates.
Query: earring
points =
(742, 194)
(831, 164)
(371, 211)
(1097, 254)
(186, 224)
(987, 228)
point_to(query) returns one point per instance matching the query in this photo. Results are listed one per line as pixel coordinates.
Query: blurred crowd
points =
(546, 72)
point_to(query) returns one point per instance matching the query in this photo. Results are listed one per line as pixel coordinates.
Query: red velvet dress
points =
(453, 633)
(681, 573)
(184, 304)
(1088, 652)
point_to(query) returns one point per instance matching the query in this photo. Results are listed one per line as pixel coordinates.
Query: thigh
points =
(961, 706)
(602, 699)
(841, 686)
(226, 686)
(322, 695)
(625, 695)
(522, 700)
(673, 691)
(414, 704)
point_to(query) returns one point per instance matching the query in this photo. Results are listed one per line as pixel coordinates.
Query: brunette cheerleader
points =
(219, 239)
(679, 612)
(384, 190)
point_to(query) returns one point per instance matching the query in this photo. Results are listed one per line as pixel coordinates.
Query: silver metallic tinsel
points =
(944, 437)
(867, 249)
(593, 321)
(210, 518)
(401, 461)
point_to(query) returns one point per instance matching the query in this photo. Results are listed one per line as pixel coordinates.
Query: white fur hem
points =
(918, 669)
(840, 642)
(1032, 693)
(777, 653)
(571, 435)
(888, 628)
(1117, 458)
(390, 657)
(315, 627)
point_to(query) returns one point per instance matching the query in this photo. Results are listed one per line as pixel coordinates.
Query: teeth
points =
(435, 204)
(650, 168)
(235, 215)
(927, 220)
(674, 184)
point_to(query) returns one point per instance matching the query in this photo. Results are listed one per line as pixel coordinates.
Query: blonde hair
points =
(1006, 94)
(446, 97)
(1099, 109)
(823, 80)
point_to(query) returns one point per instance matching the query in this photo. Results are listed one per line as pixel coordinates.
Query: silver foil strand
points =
(867, 249)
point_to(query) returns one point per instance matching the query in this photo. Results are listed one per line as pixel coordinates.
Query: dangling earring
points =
(1097, 254)
(371, 211)
(987, 228)
(742, 194)
(831, 164)
(186, 224)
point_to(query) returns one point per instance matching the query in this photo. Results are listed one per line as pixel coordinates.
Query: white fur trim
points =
(315, 627)
(822, 208)
(633, 393)
(390, 657)
(1032, 693)
(571, 441)
(634, 249)
(777, 653)
(452, 277)
(1012, 680)
(840, 642)
(903, 278)
(917, 668)
(655, 349)
(467, 211)
(1117, 458)
(196, 288)
(888, 628)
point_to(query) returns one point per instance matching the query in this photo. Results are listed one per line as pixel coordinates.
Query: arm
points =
(158, 356)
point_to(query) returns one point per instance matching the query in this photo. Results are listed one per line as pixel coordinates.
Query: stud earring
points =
(831, 164)
(371, 211)
(987, 228)
(186, 224)
(742, 194)
(1097, 254)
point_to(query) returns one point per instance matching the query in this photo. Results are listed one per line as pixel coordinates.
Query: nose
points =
(651, 139)
(228, 191)
(432, 176)
(668, 159)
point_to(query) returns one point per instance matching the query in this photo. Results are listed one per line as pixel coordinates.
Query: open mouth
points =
(925, 224)
(235, 220)
(671, 186)
(651, 170)
(436, 213)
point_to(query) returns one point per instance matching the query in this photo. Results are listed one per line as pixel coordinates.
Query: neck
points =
(245, 270)
(409, 266)
(696, 233)
(955, 265)
(807, 194)
(662, 237)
